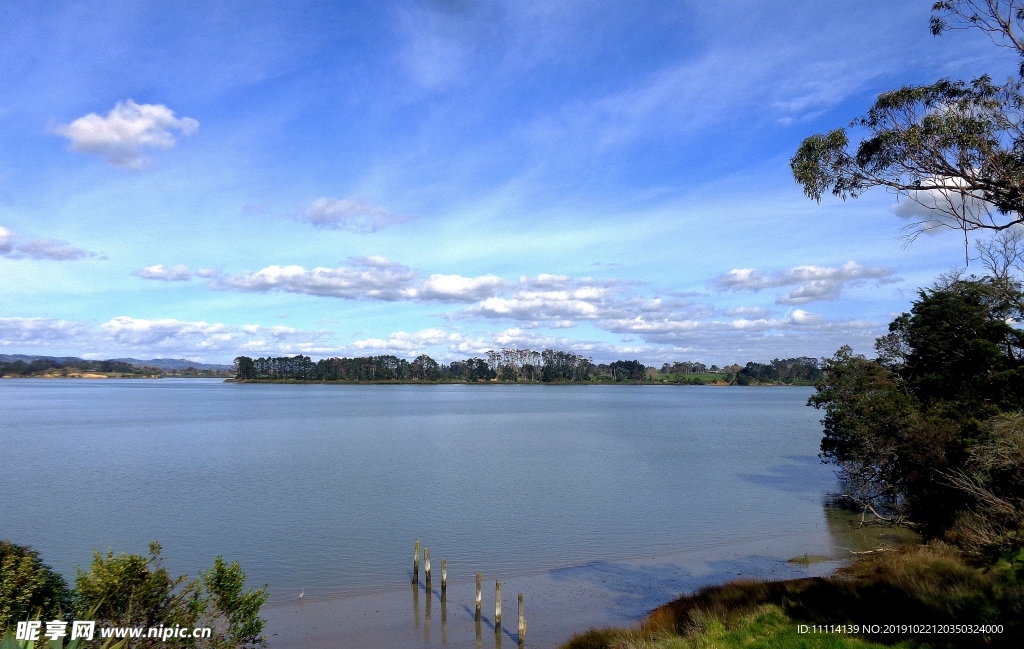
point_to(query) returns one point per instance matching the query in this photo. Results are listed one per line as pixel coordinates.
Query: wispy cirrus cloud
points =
(813, 282)
(14, 247)
(121, 136)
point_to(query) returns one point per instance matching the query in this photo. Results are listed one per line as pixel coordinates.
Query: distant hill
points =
(174, 364)
(162, 363)
(10, 358)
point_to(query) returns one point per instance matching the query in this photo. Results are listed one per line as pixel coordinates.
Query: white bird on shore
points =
(302, 593)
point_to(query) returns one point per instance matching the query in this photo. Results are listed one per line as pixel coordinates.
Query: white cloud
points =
(155, 334)
(364, 278)
(371, 278)
(402, 343)
(355, 214)
(14, 247)
(815, 282)
(6, 241)
(799, 333)
(151, 338)
(456, 288)
(748, 311)
(128, 128)
(179, 273)
(42, 332)
(211, 340)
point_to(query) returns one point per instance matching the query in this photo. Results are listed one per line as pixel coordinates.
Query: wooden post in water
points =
(426, 566)
(416, 565)
(522, 620)
(478, 593)
(444, 577)
(497, 607)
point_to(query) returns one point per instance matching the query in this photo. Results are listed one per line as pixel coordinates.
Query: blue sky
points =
(203, 180)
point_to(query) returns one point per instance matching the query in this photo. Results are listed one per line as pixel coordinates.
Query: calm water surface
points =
(325, 487)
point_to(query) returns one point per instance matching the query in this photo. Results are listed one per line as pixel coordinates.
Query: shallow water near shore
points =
(565, 493)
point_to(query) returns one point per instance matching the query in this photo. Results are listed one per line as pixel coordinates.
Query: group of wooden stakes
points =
(479, 576)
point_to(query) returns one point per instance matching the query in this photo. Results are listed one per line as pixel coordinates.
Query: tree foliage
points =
(787, 370)
(898, 427)
(955, 148)
(28, 586)
(41, 366)
(130, 590)
(510, 365)
(133, 590)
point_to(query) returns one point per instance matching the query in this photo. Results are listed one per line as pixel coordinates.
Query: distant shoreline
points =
(404, 382)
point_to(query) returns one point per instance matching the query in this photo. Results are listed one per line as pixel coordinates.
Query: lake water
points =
(325, 487)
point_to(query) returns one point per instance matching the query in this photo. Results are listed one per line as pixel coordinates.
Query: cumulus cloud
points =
(355, 214)
(798, 333)
(369, 278)
(943, 203)
(15, 247)
(6, 241)
(179, 273)
(127, 129)
(42, 332)
(748, 311)
(551, 302)
(137, 332)
(363, 278)
(456, 288)
(170, 336)
(211, 340)
(401, 342)
(813, 282)
(167, 337)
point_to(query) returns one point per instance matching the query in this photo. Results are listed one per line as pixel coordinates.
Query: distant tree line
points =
(789, 370)
(507, 365)
(515, 366)
(70, 367)
(40, 367)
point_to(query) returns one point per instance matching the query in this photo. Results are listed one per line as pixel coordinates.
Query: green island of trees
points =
(520, 366)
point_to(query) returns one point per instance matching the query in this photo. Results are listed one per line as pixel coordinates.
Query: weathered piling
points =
(497, 607)
(426, 565)
(478, 595)
(444, 577)
(522, 619)
(416, 565)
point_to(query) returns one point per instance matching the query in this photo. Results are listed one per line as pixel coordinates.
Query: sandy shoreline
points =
(558, 602)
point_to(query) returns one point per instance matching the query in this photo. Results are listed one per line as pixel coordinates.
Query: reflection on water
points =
(849, 535)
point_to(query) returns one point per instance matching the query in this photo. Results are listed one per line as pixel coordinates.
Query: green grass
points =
(922, 585)
(765, 627)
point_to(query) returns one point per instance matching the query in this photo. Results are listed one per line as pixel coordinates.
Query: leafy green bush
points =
(132, 590)
(28, 586)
